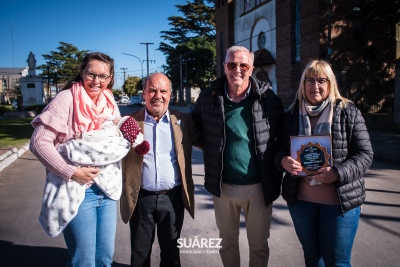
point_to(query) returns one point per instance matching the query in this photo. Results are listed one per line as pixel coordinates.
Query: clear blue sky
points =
(113, 27)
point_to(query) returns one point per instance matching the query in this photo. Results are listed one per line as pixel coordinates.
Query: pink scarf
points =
(88, 115)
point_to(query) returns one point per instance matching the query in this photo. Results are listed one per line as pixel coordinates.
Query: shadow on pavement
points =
(12, 255)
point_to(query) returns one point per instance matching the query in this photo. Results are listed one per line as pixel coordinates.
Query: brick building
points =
(361, 43)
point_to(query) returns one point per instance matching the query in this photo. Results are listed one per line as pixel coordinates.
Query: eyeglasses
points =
(233, 65)
(320, 81)
(91, 76)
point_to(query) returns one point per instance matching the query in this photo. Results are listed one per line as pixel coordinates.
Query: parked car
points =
(134, 101)
(124, 99)
(15, 104)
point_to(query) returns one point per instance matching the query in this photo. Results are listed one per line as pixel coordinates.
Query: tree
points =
(63, 64)
(198, 20)
(197, 58)
(116, 92)
(378, 9)
(366, 65)
(191, 44)
(132, 85)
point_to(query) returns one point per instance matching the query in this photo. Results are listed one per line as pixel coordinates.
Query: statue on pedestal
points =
(31, 64)
(31, 61)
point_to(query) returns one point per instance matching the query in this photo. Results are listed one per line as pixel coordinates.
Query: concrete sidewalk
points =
(386, 146)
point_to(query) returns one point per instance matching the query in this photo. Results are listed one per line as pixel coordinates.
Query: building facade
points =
(10, 84)
(360, 39)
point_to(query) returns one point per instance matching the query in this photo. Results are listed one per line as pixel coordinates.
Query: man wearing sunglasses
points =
(236, 122)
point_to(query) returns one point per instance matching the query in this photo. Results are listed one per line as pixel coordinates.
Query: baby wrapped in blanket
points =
(102, 148)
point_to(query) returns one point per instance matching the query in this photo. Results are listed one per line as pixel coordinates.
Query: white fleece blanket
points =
(61, 198)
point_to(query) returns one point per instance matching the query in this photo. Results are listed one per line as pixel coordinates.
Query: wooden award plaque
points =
(313, 157)
(313, 152)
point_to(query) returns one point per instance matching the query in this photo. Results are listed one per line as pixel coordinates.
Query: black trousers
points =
(163, 212)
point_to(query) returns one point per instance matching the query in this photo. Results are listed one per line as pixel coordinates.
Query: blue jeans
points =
(90, 236)
(327, 235)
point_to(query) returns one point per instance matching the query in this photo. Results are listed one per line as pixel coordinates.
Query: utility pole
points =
(124, 70)
(147, 56)
(55, 79)
(180, 78)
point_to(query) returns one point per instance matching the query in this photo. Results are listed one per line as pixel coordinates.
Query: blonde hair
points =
(321, 68)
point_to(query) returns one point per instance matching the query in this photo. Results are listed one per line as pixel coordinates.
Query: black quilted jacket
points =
(351, 149)
(209, 134)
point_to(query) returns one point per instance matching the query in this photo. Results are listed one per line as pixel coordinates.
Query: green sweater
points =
(240, 161)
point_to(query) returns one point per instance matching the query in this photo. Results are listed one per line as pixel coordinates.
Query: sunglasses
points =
(233, 65)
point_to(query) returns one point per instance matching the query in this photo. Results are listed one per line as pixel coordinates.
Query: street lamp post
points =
(138, 59)
(48, 83)
(55, 80)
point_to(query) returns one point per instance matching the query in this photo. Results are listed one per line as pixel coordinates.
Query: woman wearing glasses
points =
(81, 111)
(325, 208)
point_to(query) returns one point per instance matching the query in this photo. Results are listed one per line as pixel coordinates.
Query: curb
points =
(12, 155)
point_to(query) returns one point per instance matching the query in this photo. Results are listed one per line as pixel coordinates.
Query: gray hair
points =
(234, 49)
(154, 74)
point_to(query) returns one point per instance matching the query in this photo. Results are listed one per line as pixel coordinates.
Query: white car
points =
(134, 101)
(124, 99)
(15, 104)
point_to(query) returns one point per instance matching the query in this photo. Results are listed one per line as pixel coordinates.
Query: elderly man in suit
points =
(158, 186)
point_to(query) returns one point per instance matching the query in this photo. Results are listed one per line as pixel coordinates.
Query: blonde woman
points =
(325, 208)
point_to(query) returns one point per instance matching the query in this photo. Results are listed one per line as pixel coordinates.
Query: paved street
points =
(24, 243)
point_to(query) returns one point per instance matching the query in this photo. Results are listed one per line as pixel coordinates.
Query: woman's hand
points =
(84, 175)
(326, 175)
(116, 120)
(290, 165)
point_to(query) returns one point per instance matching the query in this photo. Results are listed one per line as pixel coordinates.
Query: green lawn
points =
(15, 132)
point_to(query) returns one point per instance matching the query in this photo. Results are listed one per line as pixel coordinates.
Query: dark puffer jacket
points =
(209, 134)
(351, 149)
